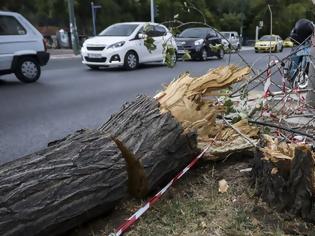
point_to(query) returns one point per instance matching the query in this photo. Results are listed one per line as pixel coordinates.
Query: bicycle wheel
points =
(300, 79)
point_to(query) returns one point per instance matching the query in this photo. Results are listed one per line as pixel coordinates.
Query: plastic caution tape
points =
(132, 219)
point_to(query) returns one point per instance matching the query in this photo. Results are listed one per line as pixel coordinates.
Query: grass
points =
(195, 207)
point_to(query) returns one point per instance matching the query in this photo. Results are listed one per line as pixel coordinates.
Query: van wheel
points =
(27, 69)
(131, 61)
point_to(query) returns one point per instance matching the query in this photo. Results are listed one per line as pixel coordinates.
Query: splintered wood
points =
(193, 103)
(285, 176)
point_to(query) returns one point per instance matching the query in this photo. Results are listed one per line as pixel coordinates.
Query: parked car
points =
(269, 42)
(200, 42)
(232, 38)
(122, 44)
(287, 43)
(22, 48)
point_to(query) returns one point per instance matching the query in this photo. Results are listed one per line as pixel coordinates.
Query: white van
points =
(233, 38)
(22, 48)
(122, 44)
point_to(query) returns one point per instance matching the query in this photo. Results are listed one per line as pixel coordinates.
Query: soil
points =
(194, 206)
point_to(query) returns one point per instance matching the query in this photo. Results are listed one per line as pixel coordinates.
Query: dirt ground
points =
(193, 206)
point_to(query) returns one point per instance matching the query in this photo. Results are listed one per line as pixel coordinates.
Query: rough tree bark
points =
(156, 140)
(85, 174)
(288, 184)
(57, 188)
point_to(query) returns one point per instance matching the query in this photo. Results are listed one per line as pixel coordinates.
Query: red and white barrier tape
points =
(132, 219)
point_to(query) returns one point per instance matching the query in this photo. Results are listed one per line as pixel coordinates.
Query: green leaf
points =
(216, 47)
(149, 44)
(169, 55)
(186, 56)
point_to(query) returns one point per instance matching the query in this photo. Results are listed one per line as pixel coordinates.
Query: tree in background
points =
(223, 14)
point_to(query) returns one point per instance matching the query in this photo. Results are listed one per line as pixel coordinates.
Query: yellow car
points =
(267, 42)
(287, 43)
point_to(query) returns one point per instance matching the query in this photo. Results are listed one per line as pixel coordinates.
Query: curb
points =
(64, 56)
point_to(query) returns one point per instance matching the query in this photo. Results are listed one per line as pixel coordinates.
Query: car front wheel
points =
(131, 61)
(27, 69)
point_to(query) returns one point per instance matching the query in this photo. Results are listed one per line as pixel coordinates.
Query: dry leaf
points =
(223, 186)
(274, 171)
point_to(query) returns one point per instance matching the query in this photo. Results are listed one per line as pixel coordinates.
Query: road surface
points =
(69, 96)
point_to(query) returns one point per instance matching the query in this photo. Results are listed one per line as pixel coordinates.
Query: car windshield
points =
(194, 33)
(268, 38)
(119, 30)
(225, 35)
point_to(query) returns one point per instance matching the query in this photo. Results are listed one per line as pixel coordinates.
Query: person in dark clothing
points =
(302, 30)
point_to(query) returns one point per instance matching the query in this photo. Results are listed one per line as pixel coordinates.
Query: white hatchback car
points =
(22, 48)
(122, 44)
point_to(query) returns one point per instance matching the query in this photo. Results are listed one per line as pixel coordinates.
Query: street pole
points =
(73, 28)
(152, 11)
(270, 19)
(93, 18)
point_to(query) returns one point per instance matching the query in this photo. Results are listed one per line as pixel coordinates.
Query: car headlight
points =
(116, 45)
(198, 42)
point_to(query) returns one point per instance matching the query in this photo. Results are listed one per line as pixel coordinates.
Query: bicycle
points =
(296, 71)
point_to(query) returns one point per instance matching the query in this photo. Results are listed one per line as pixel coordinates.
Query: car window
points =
(119, 30)
(226, 35)
(149, 30)
(159, 31)
(10, 26)
(267, 38)
(194, 33)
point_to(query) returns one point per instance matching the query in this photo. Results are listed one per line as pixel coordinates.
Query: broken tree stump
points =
(85, 174)
(286, 179)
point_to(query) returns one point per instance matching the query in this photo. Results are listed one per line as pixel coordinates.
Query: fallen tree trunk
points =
(57, 188)
(85, 174)
(286, 179)
(138, 148)
(157, 141)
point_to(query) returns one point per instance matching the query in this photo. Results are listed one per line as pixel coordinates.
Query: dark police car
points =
(200, 42)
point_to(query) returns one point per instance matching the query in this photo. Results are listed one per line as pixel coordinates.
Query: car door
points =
(212, 39)
(160, 38)
(280, 42)
(232, 39)
(138, 43)
(12, 38)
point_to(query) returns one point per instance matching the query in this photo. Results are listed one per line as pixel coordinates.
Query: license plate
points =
(181, 51)
(94, 55)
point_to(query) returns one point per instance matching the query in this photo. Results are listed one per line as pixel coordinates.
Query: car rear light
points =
(45, 45)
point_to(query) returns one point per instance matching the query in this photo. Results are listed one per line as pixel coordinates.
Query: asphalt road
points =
(69, 97)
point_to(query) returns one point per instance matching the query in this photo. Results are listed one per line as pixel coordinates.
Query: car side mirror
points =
(141, 36)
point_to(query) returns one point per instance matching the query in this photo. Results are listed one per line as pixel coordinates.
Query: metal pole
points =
(73, 28)
(93, 18)
(270, 19)
(256, 35)
(152, 10)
